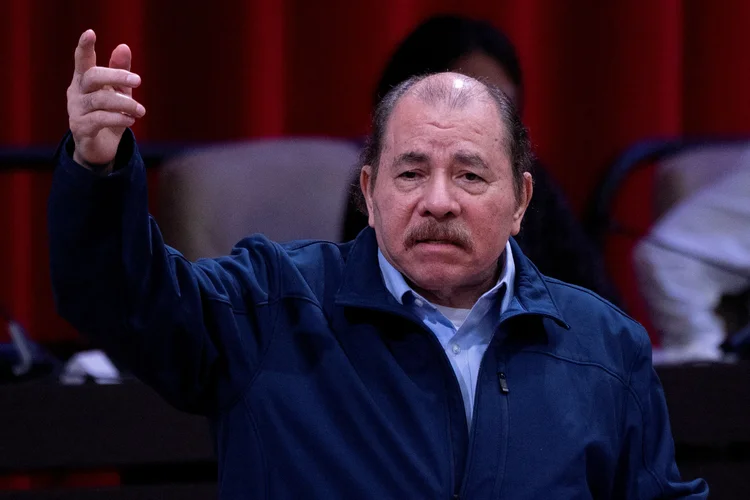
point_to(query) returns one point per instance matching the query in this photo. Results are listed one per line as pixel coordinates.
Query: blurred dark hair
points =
(436, 44)
(515, 141)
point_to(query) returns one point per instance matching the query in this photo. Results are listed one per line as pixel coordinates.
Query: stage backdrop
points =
(600, 75)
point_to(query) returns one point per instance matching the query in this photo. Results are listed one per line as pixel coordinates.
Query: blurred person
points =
(695, 255)
(426, 359)
(551, 236)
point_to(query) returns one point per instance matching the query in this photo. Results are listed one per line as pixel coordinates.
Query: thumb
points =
(85, 56)
(121, 57)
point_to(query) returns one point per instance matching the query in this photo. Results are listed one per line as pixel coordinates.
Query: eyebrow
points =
(465, 158)
(470, 159)
(410, 158)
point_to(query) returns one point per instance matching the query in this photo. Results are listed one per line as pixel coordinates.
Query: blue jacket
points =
(320, 385)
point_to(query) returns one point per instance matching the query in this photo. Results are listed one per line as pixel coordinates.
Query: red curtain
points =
(600, 75)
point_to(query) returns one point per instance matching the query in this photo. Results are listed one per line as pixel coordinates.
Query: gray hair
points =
(436, 91)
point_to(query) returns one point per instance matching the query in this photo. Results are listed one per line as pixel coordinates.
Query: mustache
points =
(432, 230)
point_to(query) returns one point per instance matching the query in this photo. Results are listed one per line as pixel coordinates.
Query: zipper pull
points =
(503, 383)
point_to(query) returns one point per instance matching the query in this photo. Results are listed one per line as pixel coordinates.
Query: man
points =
(426, 359)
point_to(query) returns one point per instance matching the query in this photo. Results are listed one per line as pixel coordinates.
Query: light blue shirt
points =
(463, 333)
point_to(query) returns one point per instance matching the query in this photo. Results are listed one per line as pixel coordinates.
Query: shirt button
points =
(418, 303)
(456, 348)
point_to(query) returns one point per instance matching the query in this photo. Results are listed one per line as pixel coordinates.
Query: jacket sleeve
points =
(193, 331)
(682, 295)
(647, 468)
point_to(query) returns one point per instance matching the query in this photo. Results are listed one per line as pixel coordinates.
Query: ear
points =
(365, 179)
(526, 192)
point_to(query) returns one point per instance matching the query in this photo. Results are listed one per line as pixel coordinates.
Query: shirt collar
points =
(397, 286)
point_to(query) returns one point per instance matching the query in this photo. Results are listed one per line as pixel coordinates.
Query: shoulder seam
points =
(646, 466)
(593, 364)
(593, 295)
(213, 296)
(297, 245)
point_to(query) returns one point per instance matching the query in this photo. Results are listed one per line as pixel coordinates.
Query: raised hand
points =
(100, 102)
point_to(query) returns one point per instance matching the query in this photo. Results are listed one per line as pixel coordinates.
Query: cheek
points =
(392, 212)
(492, 223)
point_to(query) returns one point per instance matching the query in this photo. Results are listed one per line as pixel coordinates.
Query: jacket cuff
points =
(127, 160)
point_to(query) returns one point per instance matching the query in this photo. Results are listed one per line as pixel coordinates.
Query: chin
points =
(436, 276)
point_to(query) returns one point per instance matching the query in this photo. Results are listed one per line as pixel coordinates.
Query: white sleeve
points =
(694, 255)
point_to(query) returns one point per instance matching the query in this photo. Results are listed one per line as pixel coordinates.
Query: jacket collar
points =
(363, 286)
(532, 295)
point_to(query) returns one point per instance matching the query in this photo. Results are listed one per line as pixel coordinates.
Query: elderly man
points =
(426, 359)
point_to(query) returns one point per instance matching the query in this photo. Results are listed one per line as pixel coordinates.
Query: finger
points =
(121, 59)
(85, 56)
(97, 77)
(107, 100)
(90, 124)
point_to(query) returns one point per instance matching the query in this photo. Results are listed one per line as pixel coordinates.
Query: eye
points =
(472, 177)
(409, 174)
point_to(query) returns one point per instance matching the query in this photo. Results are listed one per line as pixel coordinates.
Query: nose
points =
(439, 199)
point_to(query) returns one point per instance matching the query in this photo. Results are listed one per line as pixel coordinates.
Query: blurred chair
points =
(286, 188)
(647, 181)
(683, 173)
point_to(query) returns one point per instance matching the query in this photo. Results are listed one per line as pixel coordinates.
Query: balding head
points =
(454, 91)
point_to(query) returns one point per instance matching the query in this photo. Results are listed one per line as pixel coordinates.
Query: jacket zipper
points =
(503, 387)
(459, 490)
(472, 434)
(456, 486)
(503, 383)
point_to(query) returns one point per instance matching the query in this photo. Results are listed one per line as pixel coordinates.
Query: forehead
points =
(474, 125)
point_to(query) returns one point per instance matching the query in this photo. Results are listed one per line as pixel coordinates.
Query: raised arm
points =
(191, 330)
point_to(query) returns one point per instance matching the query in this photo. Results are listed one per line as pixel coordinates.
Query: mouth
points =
(433, 236)
(439, 243)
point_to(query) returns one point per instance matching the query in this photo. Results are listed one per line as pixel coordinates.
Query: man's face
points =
(443, 205)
